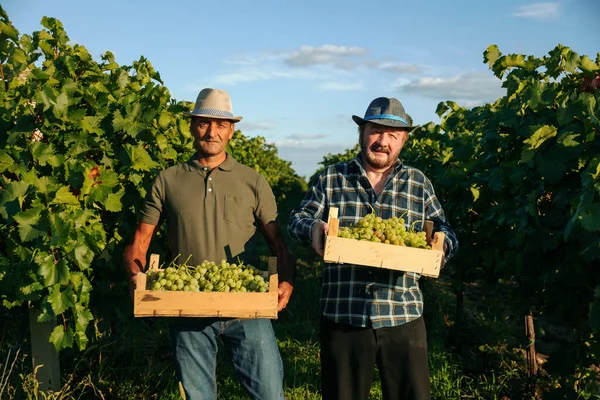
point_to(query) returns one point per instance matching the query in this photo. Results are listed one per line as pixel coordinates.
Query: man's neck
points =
(378, 176)
(212, 161)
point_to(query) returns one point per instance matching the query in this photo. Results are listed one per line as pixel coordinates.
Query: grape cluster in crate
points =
(390, 231)
(208, 277)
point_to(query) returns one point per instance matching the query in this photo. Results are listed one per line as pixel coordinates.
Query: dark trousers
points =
(349, 354)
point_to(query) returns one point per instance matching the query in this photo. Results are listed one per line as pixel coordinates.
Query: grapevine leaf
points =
(102, 186)
(13, 191)
(139, 158)
(45, 154)
(60, 228)
(32, 288)
(91, 125)
(44, 312)
(128, 125)
(123, 80)
(540, 136)
(64, 196)
(9, 30)
(490, 55)
(113, 201)
(81, 286)
(47, 97)
(570, 60)
(60, 107)
(60, 301)
(441, 109)
(84, 256)
(31, 224)
(164, 120)
(587, 65)
(83, 318)
(53, 273)
(568, 139)
(5, 161)
(81, 339)
(61, 339)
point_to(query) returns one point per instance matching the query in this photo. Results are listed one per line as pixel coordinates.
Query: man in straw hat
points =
(372, 315)
(212, 206)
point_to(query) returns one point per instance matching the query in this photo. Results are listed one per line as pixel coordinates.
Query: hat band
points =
(386, 116)
(212, 111)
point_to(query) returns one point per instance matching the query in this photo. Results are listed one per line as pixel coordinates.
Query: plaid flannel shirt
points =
(365, 296)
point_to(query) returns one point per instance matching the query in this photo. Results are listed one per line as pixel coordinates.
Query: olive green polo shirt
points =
(210, 214)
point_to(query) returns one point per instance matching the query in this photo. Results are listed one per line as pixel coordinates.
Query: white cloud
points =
(255, 59)
(263, 73)
(325, 55)
(401, 68)
(256, 126)
(471, 86)
(302, 137)
(538, 11)
(341, 86)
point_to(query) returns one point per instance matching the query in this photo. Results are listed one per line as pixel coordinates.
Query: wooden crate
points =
(158, 303)
(426, 262)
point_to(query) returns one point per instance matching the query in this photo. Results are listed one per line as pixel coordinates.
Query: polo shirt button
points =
(210, 179)
(210, 189)
(204, 169)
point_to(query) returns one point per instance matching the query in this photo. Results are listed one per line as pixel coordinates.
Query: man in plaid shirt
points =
(372, 315)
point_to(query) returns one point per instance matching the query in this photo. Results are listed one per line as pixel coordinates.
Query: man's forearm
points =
(286, 262)
(286, 268)
(134, 260)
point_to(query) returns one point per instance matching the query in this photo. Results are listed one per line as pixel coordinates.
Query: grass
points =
(479, 358)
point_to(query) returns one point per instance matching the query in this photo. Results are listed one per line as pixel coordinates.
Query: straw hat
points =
(213, 103)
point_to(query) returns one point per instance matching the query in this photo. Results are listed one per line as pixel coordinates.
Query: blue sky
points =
(297, 70)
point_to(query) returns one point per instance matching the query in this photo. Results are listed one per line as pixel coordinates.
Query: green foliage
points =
(257, 153)
(82, 141)
(331, 159)
(79, 148)
(519, 180)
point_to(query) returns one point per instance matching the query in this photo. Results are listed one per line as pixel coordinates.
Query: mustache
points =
(376, 147)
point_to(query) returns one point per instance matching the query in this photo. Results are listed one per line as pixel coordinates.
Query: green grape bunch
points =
(208, 277)
(389, 231)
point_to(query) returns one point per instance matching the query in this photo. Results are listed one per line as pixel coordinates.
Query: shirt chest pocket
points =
(239, 211)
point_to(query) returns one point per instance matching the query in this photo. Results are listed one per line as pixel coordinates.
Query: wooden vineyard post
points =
(531, 356)
(44, 356)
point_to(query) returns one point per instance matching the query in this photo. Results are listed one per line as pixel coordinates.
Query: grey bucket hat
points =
(213, 103)
(386, 111)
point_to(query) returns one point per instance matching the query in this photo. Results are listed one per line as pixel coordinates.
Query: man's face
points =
(381, 145)
(211, 135)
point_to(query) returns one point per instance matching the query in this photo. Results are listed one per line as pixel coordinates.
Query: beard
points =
(378, 157)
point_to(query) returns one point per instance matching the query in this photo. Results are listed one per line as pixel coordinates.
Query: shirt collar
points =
(227, 165)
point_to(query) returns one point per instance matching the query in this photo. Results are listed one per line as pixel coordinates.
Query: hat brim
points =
(383, 121)
(193, 114)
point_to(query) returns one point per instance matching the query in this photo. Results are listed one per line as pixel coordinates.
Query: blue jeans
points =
(253, 350)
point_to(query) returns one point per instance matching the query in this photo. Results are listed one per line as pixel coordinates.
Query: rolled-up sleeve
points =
(154, 202)
(311, 209)
(266, 206)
